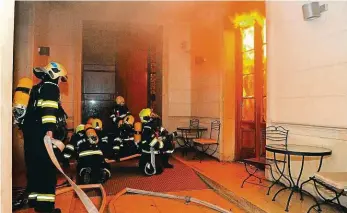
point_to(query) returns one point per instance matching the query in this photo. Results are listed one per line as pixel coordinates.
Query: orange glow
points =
(245, 22)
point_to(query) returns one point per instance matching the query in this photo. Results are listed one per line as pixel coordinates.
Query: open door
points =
(251, 84)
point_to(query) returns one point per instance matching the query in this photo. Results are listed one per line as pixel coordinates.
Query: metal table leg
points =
(280, 171)
(294, 187)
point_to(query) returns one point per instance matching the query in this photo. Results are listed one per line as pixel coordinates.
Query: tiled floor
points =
(144, 204)
(229, 175)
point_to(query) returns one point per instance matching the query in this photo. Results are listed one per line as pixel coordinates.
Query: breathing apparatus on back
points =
(21, 99)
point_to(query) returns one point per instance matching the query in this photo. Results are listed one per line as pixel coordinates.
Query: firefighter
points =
(105, 146)
(91, 165)
(41, 119)
(119, 112)
(156, 144)
(76, 139)
(124, 144)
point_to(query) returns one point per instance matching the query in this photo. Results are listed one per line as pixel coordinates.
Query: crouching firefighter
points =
(41, 120)
(124, 144)
(77, 138)
(91, 165)
(119, 112)
(156, 144)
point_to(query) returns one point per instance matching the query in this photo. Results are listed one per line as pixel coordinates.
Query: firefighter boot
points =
(165, 161)
(104, 176)
(86, 175)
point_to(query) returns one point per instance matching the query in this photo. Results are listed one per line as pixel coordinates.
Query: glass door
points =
(251, 81)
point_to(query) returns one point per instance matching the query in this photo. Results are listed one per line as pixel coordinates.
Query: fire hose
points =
(152, 163)
(83, 197)
(187, 199)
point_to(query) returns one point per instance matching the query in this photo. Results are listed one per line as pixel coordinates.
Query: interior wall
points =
(6, 75)
(229, 97)
(207, 68)
(307, 91)
(178, 75)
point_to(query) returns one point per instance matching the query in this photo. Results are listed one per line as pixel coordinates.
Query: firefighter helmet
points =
(145, 114)
(120, 100)
(97, 124)
(91, 134)
(54, 70)
(129, 120)
(79, 128)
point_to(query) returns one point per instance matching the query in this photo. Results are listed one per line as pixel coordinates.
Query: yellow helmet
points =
(120, 100)
(54, 70)
(97, 124)
(145, 113)
(79, 128)
(129, 120)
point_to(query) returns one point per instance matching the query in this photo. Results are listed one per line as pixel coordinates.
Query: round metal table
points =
(296, 150)
(187, 136)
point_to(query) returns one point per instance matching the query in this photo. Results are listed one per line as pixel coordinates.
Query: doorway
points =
(120, 59)
(250, 84)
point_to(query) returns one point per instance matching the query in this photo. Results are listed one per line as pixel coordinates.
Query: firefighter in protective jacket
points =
(124, 144)
(42, 119)
(91, 165)
(119, 112)
(156, 144)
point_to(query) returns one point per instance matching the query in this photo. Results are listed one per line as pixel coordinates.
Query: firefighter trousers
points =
(95, 165)
(41, 172)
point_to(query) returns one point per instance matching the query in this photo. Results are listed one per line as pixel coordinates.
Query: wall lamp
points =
(313, 10)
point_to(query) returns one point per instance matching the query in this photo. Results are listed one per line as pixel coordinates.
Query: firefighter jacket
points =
(80, 146)
(124, 144)
(157, 137)
(119, 113)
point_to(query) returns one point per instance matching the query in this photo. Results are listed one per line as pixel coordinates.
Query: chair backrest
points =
(215, 129)
(276, 133)
(194, 123)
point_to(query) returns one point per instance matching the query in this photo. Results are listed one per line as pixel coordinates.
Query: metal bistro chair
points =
(334, 182)
(187, 136)
(205, 143)
(273, 134)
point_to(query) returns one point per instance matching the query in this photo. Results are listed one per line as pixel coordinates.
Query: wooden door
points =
(136, 81)
(251, 89)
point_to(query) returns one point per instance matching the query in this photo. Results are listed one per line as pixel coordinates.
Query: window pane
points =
(248, 110)
(248, 62)
(247, 38)
(263, 32)
(264, 56)
(248, 85)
